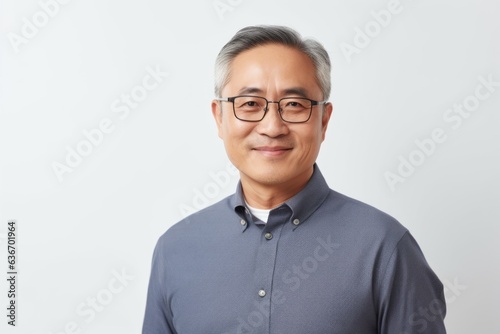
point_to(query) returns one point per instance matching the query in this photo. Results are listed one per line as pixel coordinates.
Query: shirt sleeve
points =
(410, 296)
(156, 319)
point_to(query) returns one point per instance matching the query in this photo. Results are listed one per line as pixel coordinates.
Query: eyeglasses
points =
(250, 108)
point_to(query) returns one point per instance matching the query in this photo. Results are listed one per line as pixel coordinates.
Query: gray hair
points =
(253, 36)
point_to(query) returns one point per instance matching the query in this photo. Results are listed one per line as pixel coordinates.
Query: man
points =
(285, 254)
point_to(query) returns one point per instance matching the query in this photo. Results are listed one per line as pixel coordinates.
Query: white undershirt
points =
(261, 214)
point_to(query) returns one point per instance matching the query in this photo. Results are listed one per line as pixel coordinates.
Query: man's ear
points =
(325, 119)
(217, 113)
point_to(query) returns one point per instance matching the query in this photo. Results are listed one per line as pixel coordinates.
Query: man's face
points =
(272, 152)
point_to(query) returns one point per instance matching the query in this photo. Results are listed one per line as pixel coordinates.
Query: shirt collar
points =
(303, 204)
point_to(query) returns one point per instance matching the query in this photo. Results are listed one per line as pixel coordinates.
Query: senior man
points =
(286, 254)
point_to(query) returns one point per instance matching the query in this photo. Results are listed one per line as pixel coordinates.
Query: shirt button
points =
(268, 236)
(296, 222)
(262, 293)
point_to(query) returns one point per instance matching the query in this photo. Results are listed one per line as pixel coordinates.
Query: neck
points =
(270, 195)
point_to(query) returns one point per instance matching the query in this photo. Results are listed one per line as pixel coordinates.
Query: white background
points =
(105, 216)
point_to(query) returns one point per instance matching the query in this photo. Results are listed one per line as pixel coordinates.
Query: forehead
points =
(273, 66)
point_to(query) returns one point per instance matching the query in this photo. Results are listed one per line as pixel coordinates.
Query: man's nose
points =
(269, 103)
(272, 125)
(274, 111)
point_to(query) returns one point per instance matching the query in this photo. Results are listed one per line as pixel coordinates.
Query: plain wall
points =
(412, 86)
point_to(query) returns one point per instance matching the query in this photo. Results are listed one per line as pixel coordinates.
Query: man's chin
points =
(269, 176)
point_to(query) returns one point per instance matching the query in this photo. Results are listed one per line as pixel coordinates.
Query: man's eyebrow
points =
(296, 91)
(250, 90)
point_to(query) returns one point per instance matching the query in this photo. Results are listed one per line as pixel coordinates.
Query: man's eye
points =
(294, 104)
(250, 105)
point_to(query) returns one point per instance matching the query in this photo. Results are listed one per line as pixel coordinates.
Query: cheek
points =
(311, 138)
(311, 146)
(234, 133)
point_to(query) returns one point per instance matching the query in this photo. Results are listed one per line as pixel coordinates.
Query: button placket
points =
(266, 255)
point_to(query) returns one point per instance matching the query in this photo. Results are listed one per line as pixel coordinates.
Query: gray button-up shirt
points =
(323, 263)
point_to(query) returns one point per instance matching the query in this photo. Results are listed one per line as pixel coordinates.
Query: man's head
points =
(274, 63)
(253, 36)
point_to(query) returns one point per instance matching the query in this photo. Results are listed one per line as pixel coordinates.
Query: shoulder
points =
(355, 216)
(356, 210)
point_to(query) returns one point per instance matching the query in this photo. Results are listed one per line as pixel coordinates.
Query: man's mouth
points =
(272, 151)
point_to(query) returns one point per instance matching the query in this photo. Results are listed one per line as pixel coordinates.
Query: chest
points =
(285, 282)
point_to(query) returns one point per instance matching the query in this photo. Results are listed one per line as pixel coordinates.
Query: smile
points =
(272, 151)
